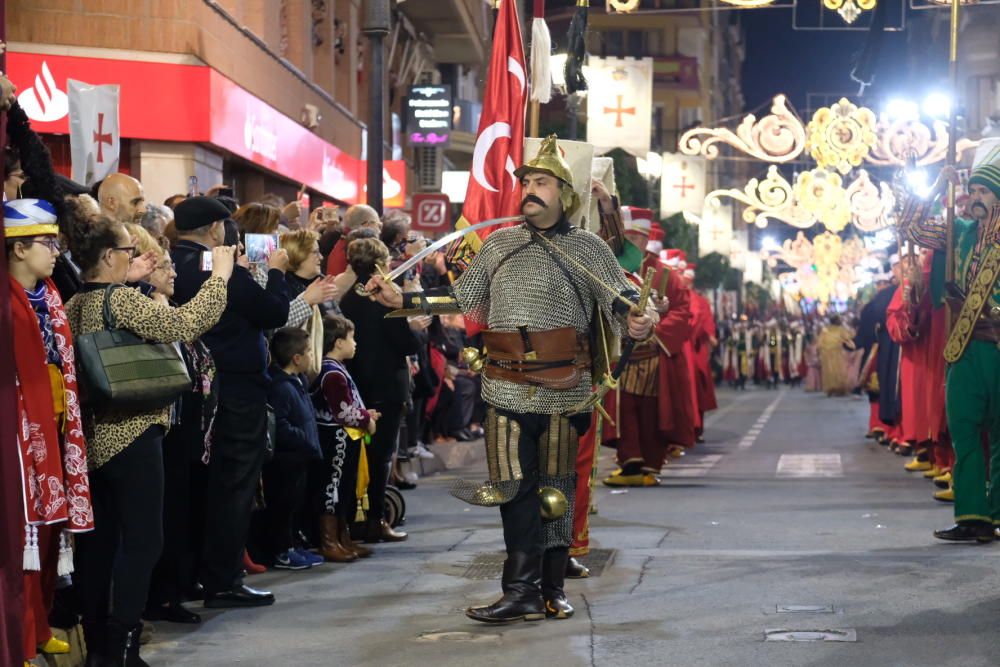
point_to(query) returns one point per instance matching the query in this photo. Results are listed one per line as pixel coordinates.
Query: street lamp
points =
(937, 105)
(902, 109)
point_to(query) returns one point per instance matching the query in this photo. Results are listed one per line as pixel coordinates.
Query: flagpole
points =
(951, 158)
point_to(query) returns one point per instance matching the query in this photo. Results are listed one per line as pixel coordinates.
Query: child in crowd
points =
(296, 446)
(343, 423)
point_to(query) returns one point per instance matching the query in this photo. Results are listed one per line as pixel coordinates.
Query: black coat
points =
(237, 341)
(295, 418)
(379, 366)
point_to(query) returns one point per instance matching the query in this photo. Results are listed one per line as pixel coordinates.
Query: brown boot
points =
(350, 544)
(381, 531)
(330, 547)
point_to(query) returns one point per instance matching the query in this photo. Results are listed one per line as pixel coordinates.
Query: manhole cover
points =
(486, 566)
(459, 637)
(805, 609)
(783, 635)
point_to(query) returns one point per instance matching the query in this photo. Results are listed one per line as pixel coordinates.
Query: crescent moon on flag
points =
(484, 143)
(517, 70)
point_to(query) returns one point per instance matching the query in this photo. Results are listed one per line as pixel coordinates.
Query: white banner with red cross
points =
(620, 104)
(682, 184)
(94, 138)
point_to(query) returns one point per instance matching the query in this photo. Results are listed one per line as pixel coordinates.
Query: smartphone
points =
(206, 260)
(193, 186)
(259, 247)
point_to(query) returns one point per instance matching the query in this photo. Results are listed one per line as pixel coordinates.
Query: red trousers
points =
(39, 591)
(639, 436)
(585, 453)
(874, 423)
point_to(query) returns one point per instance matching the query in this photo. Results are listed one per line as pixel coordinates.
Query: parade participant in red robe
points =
(626, 230)
(703, 341)
(918, 327)
(652, 408)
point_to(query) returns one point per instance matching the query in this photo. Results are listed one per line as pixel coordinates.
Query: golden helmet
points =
(554, 503)
(549, 161)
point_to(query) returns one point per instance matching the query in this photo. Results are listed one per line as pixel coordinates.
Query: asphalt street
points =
(786, 520)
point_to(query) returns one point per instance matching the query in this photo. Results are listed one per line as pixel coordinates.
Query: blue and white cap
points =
(29, 217)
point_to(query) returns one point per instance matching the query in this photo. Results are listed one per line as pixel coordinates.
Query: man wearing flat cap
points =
(240, 428)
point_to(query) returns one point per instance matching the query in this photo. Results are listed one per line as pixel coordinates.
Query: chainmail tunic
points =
(516, 280)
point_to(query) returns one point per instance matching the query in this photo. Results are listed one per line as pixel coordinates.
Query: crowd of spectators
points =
(304, 399)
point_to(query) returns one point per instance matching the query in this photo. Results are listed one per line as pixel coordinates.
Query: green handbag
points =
(122, 372)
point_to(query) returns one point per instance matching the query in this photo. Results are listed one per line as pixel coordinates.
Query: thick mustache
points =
(979, 204)
(533, 198)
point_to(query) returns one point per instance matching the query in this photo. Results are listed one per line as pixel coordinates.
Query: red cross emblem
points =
(101, 138)
(619, 111)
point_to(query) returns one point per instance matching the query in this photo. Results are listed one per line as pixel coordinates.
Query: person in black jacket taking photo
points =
(239, 438)
(383, 378)
(296, 445)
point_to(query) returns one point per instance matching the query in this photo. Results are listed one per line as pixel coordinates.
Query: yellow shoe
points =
(933, 472)
(641, 479)
(946, 496)
(943, 481)
(916, 465)
(675, 451)
(54, 646)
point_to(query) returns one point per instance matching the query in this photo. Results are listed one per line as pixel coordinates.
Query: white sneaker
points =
(421, 451)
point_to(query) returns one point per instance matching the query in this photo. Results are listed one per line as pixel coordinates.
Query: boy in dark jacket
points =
(296, 445)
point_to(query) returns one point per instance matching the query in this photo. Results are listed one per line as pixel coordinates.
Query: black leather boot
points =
(553, 577)
(95, 637)
(967, 531)
(522, 598)
(123, 646)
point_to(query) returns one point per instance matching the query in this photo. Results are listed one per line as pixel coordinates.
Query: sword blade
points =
(444, 241)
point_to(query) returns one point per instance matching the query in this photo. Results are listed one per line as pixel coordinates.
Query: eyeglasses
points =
(51, 243)
(130, 249)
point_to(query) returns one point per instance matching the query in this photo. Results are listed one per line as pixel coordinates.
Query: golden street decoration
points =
(824, 268)
(849, 10)
(871, 205)
(777, 137)
(841, 135)
(904, 142)
(766, 197)
(622, 6)
(821, 193)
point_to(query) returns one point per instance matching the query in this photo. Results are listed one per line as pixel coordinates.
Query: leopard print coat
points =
(112, 433)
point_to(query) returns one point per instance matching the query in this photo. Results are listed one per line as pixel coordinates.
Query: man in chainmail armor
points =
(544, 289)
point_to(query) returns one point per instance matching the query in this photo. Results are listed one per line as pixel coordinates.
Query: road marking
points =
(751, 435)
(810, 465)
(693, 466)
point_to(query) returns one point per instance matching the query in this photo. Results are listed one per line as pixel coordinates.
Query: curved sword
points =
(444, 241)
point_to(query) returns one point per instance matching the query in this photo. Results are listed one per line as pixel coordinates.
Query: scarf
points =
(53, 459)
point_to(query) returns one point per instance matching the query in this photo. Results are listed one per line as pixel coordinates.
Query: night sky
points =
(796, 62)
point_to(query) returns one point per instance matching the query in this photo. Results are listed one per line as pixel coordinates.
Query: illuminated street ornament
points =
(762, 198)
(824, 268)
(849, 10)
(901, 140)
(821, 194)
(842, 135)
(871, 205)
(777, 137)
(623, 6)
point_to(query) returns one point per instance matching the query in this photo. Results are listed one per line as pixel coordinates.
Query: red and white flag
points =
(494, 191)
(94, 138)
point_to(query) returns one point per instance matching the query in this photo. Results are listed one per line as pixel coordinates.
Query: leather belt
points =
(553, 359)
